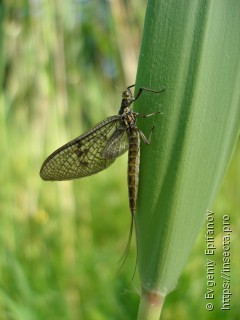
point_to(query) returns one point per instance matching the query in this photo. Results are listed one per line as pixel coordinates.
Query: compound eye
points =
(125, 94)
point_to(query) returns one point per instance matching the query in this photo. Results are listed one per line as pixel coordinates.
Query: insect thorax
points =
(129, 118)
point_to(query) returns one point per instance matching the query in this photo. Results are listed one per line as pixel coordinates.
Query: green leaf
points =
(193, 49)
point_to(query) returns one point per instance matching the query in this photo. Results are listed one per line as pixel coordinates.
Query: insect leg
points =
(145, 139)
(147, 115)
(146, 89)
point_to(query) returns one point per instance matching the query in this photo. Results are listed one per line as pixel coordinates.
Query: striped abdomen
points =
(133, 166)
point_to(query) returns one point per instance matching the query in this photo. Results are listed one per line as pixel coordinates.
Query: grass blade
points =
(193, 49)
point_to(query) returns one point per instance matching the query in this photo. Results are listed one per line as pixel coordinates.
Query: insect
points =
(97, 148)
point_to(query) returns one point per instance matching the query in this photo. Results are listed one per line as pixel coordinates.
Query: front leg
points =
(145, 89)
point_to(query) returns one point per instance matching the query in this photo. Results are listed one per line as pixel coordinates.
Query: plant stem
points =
(150, 305)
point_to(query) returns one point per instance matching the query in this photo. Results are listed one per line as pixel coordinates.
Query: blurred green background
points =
(63, 66)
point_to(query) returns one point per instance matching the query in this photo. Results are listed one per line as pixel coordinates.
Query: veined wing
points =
(118, 143)
(84, 155)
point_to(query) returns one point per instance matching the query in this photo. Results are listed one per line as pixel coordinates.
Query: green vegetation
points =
(63, 67)
(198, 132)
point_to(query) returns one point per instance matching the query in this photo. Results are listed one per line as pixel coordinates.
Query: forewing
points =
(82, 156)
(117, 144)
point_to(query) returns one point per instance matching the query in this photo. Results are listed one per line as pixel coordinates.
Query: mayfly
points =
(97, 149)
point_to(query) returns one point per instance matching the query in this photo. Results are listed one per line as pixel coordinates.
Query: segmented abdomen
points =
(133, 166)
